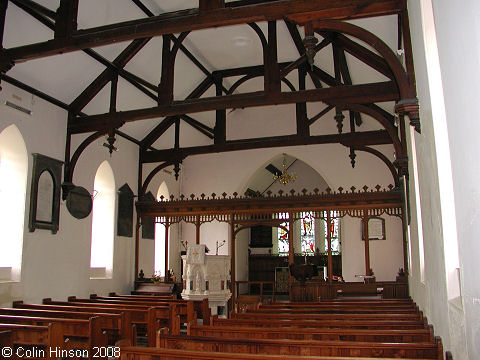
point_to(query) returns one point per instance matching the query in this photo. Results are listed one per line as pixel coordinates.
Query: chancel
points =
(185, 178)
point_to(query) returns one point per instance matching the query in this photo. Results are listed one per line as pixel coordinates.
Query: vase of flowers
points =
(156, 278)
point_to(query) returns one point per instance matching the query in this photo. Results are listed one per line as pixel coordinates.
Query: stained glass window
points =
(334, 232)
(283, 244)
(307, 233)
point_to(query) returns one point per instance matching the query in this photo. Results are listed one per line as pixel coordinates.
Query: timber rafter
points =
(338, 92)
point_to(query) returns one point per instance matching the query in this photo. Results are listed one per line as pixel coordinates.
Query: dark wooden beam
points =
(204, 129)
(347, 80)
(193, 19)
(365, 93)
(187, 53)
(365, 55)
(3, 13)
(220, 130)
(272, 71)
(297, 40)
(38, 12)
(366, 138)
(205, 5)
(66, 19)
(161, 128)
(303, 128)
(320, 114)
(37, 7)
(34, 91)
(94, 88)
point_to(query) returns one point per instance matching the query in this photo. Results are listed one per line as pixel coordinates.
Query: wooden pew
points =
(42, 338)
(138, 353)
(298, 333)
(159, 297)
(152, 318)
(343, 324)
(112, 323)
(6, 339)
(127, 331)
(201, 307)
(78, 333)
(332, 309)
(303, 347)
(189, 311)
(328, 316)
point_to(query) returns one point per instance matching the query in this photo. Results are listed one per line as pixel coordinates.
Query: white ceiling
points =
(65, 76)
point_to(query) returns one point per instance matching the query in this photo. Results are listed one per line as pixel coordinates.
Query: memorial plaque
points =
(79, 202)
(125, 211)
(45, 193)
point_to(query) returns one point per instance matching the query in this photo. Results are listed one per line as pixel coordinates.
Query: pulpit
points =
(206, 276)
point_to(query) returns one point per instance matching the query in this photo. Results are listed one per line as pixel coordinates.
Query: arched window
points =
(307, 233)
(160, 235)
(283, 240)
(103, 214)
(335, 235)
(13, 183)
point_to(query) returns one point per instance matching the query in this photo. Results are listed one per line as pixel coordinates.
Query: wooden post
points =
(66, 19)
(197, 230)
(367, 245)
(3, 12)
(329, 244)
(232, 261)
(291, 251)
(167, 226)
(205, 5)
(405, 244)
(137, 245)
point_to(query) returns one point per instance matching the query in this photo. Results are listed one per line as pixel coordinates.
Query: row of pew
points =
(356, 329)
(95, 327)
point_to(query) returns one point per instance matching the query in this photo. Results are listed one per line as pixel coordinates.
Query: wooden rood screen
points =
(274, 209)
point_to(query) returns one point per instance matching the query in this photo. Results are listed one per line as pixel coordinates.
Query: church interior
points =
(304, 152)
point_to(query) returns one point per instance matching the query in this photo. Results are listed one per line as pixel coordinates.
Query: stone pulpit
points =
(206, 276)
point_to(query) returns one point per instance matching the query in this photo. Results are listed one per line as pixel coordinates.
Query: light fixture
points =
(285, 177)
(109, 144)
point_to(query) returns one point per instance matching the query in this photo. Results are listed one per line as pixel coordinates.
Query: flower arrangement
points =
(156, 278)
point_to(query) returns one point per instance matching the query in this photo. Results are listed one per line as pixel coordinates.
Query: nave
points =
(116, 326)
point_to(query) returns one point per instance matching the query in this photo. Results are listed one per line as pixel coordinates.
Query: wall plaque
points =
(148, 222)
(376, 229)
(125, 211)
(45, 194)
(79, 202)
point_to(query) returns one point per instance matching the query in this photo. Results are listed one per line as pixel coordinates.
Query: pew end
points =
(6, 339)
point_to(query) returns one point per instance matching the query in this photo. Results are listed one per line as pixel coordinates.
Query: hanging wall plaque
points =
(45, 194)
(125, 211)
(79, 202)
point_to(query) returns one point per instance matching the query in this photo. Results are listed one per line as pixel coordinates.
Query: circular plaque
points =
(79, 202)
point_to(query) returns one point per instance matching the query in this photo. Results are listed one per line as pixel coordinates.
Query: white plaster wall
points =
(58, 265)
(386, 256)
(231, 172)
(458, 34)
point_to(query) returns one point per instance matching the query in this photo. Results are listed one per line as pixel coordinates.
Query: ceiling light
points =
(285, 177)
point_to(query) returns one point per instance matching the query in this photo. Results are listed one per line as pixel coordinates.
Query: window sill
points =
(99, 273)
(6, 275)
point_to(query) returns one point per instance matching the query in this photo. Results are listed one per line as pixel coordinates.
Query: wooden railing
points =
(262, 285)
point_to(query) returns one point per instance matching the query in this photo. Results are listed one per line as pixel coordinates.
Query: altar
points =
(207, 276)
